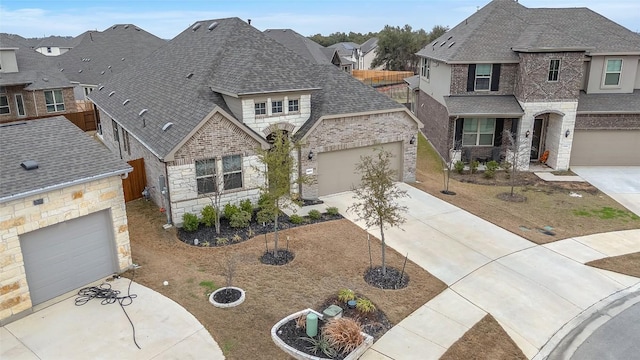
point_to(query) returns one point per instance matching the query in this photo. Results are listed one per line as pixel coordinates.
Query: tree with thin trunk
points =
(513, 145)
(377, 196)
(447, 165)
(216, 197)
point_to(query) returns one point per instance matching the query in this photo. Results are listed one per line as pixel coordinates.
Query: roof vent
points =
(450, 37)
(111, 93)
(450, 45)
(125, 102)
(61, 70)
(80, 70)
(122, 59)
(196, 26)
(444, 42)
(137, 29)
(189, 75)
(126, 26)
(435, 43)
(109, 67)
(142, 112)
(114, 26)
(29, 164)
(167, 126)
(102, 72)
(100, 87)
(45, 79)
(213, 25)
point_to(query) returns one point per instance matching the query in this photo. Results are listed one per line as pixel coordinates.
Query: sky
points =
(167, 18)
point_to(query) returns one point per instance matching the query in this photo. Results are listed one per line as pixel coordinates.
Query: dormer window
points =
(276, 107)
(612, 72)
(261, 108)
(294, 105)
(49, 49)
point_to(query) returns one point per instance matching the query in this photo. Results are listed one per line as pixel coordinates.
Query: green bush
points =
(365, 305)
(240, 219)
(333, 211)
(459, 166)
(208, 215)
(474, 166)
(345, 295)
(296, 219)
(230, 210)
(506, 166)
(489, 174)
(222, 241)
(190, 222)
(246, 206)
(265, 213)
(314, 215)
(493, 165)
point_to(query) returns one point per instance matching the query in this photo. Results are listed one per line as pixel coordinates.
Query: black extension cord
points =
(109, 296)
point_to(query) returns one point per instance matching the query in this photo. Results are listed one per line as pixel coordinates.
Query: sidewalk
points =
(531, 290)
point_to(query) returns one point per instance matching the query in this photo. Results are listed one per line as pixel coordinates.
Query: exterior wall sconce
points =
(311, 155)
(413, 140)
(527, 133)
(567, 133)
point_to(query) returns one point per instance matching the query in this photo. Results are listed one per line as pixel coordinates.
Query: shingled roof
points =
(302, 45)
(100, 54)
(501, 28)
(46, 141)
(186, 80)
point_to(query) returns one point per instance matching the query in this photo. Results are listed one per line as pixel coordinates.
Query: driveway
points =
(163, 329)
(531, 290)
(621, 183)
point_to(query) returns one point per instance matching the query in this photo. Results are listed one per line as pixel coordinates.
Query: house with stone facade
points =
(565, 81)
(63, 221)
(197, 111)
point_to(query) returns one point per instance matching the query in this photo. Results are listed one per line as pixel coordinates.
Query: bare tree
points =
(447, 164)
(377, 196)
(216, 196)
(512, 155)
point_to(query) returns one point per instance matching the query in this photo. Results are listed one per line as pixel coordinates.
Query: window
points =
(276, 107)
(232, 171)
(554, 69)
(206, 176)
(261, 108)
(478, 132)
(20, 105)
(115, 130)
(125, 141)
(426, 68)
(294, 105)
(49, 49)
(612, 72)
(483, 77)
(4, 105)
(54, 100)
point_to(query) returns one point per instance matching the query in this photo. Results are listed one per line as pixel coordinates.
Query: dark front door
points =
(536, 141)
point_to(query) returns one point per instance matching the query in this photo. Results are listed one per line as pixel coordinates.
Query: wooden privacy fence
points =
(85, 120)
(134, 184)
(377, 78)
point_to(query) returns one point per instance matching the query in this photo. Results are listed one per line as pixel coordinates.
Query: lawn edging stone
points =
(227, 305)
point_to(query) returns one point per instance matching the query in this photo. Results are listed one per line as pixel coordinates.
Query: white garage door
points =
(68, 255)
(606, 148)
(336, 169)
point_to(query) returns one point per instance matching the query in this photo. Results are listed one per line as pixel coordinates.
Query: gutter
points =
(65, 185)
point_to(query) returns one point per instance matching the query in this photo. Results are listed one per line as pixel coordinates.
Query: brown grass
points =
(628, 264)
(343, 334)
(547, 204)
(485, 340)
(328, 257)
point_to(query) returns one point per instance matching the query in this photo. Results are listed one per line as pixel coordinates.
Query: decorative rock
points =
(332, 312)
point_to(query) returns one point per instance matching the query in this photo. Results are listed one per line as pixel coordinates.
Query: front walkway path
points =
(531, 290)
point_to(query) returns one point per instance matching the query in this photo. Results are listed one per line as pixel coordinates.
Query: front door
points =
(537, 143)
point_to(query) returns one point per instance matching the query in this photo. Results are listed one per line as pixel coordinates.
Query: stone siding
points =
(435, 121)
(260, 124)
(532, 84)
(608, 121)
(359, 131)
(21, 216)
(459, 73)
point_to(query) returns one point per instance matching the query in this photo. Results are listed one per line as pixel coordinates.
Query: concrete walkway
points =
(531, 290)
(164, 330)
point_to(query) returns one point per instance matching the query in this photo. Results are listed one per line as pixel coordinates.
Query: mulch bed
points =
(283, 257)
(394, 279)
(227, 296)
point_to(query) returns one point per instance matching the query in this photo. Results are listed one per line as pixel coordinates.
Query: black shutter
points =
(514, 128)
(458, 134)
(497, 138)
(495, 77)
(471, 77)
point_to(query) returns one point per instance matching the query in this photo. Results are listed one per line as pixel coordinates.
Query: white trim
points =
(604, 74)
(15, 96)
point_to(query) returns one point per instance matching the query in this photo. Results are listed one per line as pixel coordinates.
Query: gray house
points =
(566, 81)
(198, 109)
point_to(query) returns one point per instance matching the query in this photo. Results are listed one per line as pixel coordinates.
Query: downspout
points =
(299, 170)
(35, 104)
(168, 194)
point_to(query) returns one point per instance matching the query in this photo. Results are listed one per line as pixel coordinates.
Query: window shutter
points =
(514, 127)
(471, 77)
(458, 135)
(495, 77)
(497, 138)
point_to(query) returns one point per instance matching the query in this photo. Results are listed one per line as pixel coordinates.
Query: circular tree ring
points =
(227, 305)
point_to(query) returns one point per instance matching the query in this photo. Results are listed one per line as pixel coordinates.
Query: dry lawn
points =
(485, 340)
(548, 203)
(628, 264)
(328, 256)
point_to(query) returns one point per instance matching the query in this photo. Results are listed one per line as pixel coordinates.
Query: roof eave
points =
(278, 91)
(621, 53)
(489, 115)
(605, 112)
(552, 49)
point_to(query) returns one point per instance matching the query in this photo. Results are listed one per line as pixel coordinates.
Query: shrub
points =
(246, 206)
(493, 165)
(208, 215)
(365, 305)
(333, 211)
(230, 210)
(459, 167)
(489, 174)
(345, 295)
(265, 213)
(321, 344)
(301, 322)
(314, 215)
(474, 166)
(506, 166)
(222, 241)
(190, 222)
(343, 334)
(236, 238)
(296, 219)
(206, 244)
(240, 219)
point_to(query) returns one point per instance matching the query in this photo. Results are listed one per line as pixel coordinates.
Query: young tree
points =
(377, 196)
(214, 190)
(447, 164)
(513, 154)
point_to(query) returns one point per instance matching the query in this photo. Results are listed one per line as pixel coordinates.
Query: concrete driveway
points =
(531, 290)
(164, 330)
(621, 183)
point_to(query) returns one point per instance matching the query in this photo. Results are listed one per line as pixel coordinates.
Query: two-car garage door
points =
(336, 169)
(68, 255)
(606, 147)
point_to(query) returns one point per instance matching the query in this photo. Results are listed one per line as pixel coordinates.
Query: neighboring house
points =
(62, 215)
(30, 86)
(566, 81)
(198, 110)
(100, 54)
(360, 55)
(55, 45)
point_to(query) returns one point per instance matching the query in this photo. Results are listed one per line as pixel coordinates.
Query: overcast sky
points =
(167, 18)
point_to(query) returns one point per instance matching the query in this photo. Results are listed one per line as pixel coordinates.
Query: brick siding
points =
(459, 73)
(532, 83)
(608, 121)
(435, 120)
